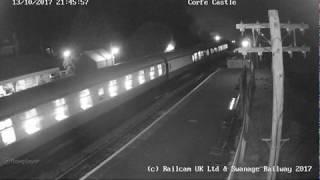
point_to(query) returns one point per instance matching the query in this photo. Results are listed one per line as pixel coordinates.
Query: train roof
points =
(21, 65)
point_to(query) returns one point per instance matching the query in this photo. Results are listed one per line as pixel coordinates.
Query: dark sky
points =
(103, 21)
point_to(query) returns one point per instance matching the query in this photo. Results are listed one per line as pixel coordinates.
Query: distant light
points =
(245, 43)
(231, 105)
(233, 41)
(170, 47)
(66, 53)
(217, 38)
(115, 50)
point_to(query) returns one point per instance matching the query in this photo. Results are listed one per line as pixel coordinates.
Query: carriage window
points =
(152, 72)
(21, 85)
(32, 123)
(159, 69)
(61, 110)
(7, 133)
(85, 99)
(128, 82)
(141, 77)
(113, 88)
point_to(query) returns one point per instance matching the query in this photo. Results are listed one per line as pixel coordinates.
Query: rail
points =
(243, 108)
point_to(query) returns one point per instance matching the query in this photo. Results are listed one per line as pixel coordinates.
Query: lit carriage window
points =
(194, 57)
(61, 113)
(113, 89)
(32, 123)
(21, 85)
(85, 99)
(141, 77)
(159, 69)
(60, 102)
(61, 110)
(7, 133)
(31, 113)
(152, 72)
(101, 92)
(128, 82)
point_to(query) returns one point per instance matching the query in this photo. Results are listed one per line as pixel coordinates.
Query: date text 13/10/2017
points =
(50, 2)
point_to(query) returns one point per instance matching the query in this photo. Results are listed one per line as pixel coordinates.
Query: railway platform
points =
(185, 141)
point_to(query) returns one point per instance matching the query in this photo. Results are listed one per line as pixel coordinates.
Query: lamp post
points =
(170, 47)
(114, 51)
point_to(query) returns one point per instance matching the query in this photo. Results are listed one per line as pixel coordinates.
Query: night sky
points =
(138, 24)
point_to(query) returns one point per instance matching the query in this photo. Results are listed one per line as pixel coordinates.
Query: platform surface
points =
(187, 136)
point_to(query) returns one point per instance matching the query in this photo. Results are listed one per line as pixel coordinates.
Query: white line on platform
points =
(146, 129)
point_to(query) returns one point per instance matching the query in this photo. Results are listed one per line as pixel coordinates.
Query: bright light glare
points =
(233, 41)
(128, 82)
(107, 55)
(8, 136)
(113, 88)
(170, 47)
(32, 125)
(245, 43)
(231, 105)
(115, 50)
(66, 53)
(159, 69)
(217, 38)
(141, 77)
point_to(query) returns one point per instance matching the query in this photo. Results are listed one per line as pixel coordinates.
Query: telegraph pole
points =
(277, 50)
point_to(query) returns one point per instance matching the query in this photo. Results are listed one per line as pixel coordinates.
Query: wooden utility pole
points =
(277, 72)
(277, 76)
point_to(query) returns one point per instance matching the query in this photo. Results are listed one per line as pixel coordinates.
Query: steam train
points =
(33, 117)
